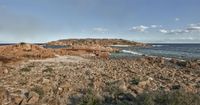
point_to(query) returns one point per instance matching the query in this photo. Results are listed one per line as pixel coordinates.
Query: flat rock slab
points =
(74, 59)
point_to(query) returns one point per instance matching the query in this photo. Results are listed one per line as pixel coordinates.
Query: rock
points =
(143, 84)
(182, 63)
(45, 81)
(25, 93)
(34, 98)
(4, 96)
(17, 100)
(122, 85)
(5, 71)
(25, 51)
(137, 90)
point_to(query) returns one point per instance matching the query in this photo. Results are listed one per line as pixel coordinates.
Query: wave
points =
(158, 45)
(131, 52)
(120, 45)
(153, 56)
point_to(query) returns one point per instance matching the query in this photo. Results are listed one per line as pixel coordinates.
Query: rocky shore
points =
(33, 75)
(65, 80)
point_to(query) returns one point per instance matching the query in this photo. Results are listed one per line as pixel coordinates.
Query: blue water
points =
(178, 51)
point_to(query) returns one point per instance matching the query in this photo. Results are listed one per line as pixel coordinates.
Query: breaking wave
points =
(131, 52)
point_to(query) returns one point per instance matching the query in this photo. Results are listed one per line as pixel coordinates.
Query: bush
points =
(89, 99)
(153, 98)
(25, 69)
(168, 98)
(48, 70)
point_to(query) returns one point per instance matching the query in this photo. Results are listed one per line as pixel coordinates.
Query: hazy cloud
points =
(191, 28)
(140, 28)
(156, 26)
(177, 19)
(174, 31)
(163, 31)
(99, 29)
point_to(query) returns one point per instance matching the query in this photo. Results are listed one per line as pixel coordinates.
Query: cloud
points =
(174, 31)
(143, 28)
(99, 29)
(140, 28)
(163, 31)
(189, 29)
(153, 26)
(195, 28)
(194, 25)
(177, 19)
(156, 26)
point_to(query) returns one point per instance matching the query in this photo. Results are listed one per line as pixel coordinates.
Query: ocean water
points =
(178, 51)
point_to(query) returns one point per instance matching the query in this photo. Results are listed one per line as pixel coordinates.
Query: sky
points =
(151, 21)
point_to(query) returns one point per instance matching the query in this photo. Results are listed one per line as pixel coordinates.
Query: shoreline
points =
(31, 74)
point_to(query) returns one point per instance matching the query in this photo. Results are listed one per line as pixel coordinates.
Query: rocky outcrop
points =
(95, 42)
(24, 50)
(98, 51)
(30, 51)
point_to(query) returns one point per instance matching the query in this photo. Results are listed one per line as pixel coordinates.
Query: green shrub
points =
(48, 70)
(168, 98)
(26, 69)
(153, 98)
(89, 98)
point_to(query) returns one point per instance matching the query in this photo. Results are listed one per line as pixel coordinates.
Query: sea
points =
(178, 51)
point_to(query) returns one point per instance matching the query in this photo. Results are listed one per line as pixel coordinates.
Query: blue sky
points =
(138, 20)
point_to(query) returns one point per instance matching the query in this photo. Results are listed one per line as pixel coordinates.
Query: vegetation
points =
(48, 69)
(39, 90)
(135, 81)
(26, 69)
(89, 99)
(153, 98)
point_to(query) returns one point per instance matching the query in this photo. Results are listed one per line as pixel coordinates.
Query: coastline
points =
(42, 76)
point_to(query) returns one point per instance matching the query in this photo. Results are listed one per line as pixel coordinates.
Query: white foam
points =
(157, 45)
(131, 52)
(120, 45)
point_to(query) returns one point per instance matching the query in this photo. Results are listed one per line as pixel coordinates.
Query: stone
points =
(34, 98)
(143, 84)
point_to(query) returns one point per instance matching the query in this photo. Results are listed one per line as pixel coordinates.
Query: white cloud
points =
(140, 28)
(189, 29)
(177, 19)
(163, 31)
(174, 31)
(156, 26)
(196, 28)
